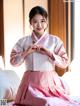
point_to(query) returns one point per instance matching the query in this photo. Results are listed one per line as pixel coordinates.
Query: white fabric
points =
(73, 81)
(41, 62)
(9, 82)
(35, 60)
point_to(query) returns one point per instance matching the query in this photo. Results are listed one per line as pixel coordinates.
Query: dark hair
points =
(37, 10)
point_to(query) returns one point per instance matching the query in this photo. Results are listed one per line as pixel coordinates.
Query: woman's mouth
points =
(39, 29)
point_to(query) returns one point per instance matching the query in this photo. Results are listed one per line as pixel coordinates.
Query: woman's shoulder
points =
(55, 37)
(22, 39)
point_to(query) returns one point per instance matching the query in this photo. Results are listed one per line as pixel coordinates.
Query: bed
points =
(72, 78)
(9, 83)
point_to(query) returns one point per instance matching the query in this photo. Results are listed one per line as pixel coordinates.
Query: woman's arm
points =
(60, 55)
(18, 54)
(16, 57)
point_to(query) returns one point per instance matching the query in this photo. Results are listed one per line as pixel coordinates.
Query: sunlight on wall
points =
(1, 63)
(73, 77)
(77, 30)
(28, 5)
(13, 27)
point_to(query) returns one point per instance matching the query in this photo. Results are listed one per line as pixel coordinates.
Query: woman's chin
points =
(39, 33)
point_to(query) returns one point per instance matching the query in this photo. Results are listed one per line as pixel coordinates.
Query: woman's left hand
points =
(46, 52)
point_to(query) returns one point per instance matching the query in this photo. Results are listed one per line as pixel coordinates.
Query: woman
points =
(41, 52)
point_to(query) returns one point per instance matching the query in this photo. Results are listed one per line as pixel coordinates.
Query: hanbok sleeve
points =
(60, 55)
(16, 58)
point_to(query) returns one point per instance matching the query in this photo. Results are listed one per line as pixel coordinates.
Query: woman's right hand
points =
(31, 49)
(37, 48)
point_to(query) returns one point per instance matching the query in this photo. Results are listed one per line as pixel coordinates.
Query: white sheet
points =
(9, 82)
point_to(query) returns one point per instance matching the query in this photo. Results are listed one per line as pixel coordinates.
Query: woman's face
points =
(39, 24)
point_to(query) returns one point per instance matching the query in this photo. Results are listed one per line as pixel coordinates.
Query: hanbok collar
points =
(37, 40)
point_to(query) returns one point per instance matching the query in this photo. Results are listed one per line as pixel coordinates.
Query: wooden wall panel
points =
(28, 4)
(57, 20)
(1, 29)
(57, 13)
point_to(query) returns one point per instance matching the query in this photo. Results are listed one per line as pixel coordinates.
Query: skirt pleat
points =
(42, 89)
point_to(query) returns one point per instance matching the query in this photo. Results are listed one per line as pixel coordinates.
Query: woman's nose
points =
(39, 24)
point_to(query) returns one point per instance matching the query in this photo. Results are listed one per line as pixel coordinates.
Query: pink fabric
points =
(51, 42)
(42, 89)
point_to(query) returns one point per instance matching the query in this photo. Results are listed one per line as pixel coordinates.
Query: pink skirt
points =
(42, 89)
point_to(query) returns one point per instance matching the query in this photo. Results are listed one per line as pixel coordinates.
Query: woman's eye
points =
(43, 21)
(35, 21)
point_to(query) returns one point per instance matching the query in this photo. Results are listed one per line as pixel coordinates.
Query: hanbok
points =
(41, 85)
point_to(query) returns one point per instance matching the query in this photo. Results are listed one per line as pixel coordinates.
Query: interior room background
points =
(63, 22)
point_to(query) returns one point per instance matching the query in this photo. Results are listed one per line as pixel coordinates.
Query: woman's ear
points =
(46, 25)
(31, 27)
(30, 22)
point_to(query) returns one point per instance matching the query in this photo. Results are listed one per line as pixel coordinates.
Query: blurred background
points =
(64, 21)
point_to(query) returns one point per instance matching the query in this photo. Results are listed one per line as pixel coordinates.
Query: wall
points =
(75, 63)
(28, 4)
(1, 29)
(57, 13)
(77, 30)
(16, 25)
(13, 27)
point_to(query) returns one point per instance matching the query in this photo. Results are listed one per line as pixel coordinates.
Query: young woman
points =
(41, 52)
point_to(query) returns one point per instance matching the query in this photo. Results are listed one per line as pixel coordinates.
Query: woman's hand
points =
(31, 49)
(46, 52)
(39, 49)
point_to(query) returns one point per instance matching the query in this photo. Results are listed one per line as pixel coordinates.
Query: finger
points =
(42, 49)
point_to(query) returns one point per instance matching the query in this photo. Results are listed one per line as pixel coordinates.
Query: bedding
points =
(5, 103)
(9, 82)
(73, 81)
(72, 78)
(10, 104)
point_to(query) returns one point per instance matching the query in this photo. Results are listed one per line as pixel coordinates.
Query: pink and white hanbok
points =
(41, 85)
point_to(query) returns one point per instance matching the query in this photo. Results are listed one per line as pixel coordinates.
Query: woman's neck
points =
(37, 34)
